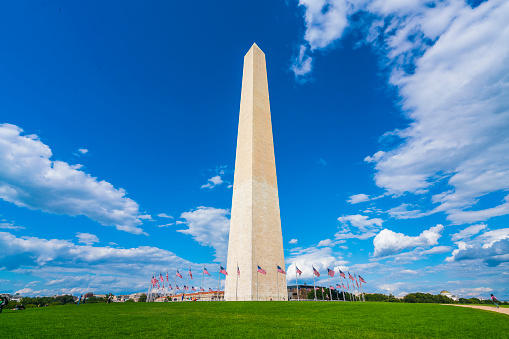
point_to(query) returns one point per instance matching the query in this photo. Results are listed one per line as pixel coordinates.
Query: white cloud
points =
(468, 232)
(164, 215)
(357, 198)
(83, 268)
(367, 227)
(293, 241)
(10, 226)
(210, 227)
(28, 178)
(325, 242)
(212, 182)
(449, 64)
(83, 150)
(388, 242)
(491, 247)
(24, 291)
(166, 225)
(306, 258)
(87, 238)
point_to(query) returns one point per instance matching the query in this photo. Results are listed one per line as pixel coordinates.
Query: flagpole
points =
(296, 282)
(175, 291)
(330, 291)
(343, 289)
(257, 298)
(314, 285)
(187, 283)
(218, 282)
(277, 280)
(363, 297)
(202, 275)
(237, 285)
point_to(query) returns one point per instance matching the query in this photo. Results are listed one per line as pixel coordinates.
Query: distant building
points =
(303, 291)
(449, 295)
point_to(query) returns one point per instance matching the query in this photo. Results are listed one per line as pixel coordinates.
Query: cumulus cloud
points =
(468, 232)
(164, 215)
(87, 238)
(366, 227)
(69, 268)
(449, 62)
(83, 150)
(357, 198)
(325, 242)
(491, 247)
(388, 242)
(213, 182)
(210, 227)
(28, 178)
(293, 241)
(306, 258)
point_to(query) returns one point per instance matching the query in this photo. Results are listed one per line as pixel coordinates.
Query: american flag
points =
(330, 272)
(161, 277)
(185, 287)
(158, 285)
(238, 271)
(210, 290)
(315, 272)
(201, 289)
(350, 276)
(222, 270)
(261, 270)
(167, 276)
(190, 273)
(205, 271)
(317, 288)
(362, 280)
(193, 289)
(153, 281)
(280, 270)
(323, 291)
(177, 287)
(357, 284)
(299, 272)
(344, 287)
(332, 288)
(338, 285)
(342, 274)
(169, 286)
(178, 274)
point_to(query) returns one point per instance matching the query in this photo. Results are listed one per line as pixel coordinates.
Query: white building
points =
(449, 295)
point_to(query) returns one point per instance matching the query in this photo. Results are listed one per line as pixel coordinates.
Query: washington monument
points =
(255, 225)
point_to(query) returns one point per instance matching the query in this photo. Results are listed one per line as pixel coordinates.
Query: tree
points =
(142, 298)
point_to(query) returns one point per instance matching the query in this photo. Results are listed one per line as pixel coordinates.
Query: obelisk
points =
(255, 225)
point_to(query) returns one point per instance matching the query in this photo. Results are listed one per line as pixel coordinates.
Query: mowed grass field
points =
(253, 320)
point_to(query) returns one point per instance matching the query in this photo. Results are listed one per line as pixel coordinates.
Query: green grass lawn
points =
(255, 319)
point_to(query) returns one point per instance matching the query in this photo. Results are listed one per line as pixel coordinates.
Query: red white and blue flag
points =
(169, 286)
(193, 289)
(261, 270)
(167, 276)
(315, 272)
(344, 287)
(362, 280)
(350, 276)
(299, 272)
(190, 273)
(153, 281)
(161, 277)
(330, 272)
(211, 290)
(323, 291)
(238, 271)
(338, 285)
(342, 274)
(186, 288)
(205, 271)
(332, 288)
(201, 289)
(177, 287)
(178, 274)
(222, 270)
(280, 270)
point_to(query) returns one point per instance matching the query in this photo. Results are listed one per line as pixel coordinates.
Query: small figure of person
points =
(270, 299)
(79, 300)
(4, 301)
(495, 301)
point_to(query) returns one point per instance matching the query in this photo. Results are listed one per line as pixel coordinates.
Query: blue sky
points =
(118, 134)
